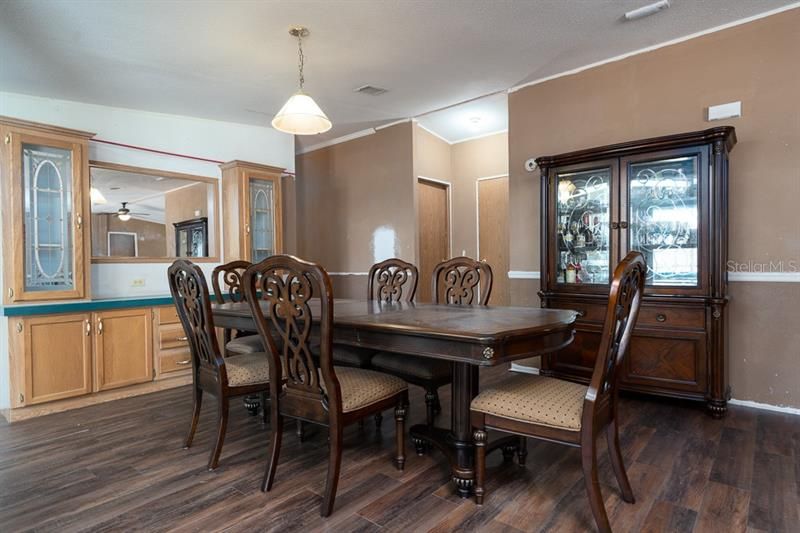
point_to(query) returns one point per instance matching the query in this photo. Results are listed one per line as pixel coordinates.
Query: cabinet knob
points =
(661, 317)
(615, 225)
(623, 225)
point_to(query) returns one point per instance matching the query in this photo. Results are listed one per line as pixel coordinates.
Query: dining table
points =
(469, 336)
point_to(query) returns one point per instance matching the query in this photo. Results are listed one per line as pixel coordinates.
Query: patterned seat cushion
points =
(536, 399)
(412, 366)
(247, 369)
(249, 344)
(361, 387)
(347, 355)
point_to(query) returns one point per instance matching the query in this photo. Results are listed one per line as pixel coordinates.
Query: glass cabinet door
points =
(262, 219)
(49, 197)
(583, 246)
(663, 212)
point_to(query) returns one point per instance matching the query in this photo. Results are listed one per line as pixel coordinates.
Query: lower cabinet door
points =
(58, 357)
(123, 348)
(666, 361)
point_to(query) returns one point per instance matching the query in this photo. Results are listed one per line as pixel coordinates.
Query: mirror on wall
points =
(148, 215)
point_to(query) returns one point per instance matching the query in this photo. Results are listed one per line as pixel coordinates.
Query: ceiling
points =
(234, 61)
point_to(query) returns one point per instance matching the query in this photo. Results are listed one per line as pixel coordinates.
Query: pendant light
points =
(301, 115)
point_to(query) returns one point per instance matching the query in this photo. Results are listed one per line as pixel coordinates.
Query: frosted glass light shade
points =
(301, 115)
(124, 217)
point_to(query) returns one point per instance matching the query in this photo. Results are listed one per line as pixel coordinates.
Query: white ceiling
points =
(234, 60)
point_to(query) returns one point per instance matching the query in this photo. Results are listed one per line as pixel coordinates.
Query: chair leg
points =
(589, 464)
(334, 465)
(378, 420)
(222, 426)
(400, 428)
(275, 451)
(430, 405)
(300, 431)
(612, 436)
(480, 463)
(198, 402)
(522, 451)
(437, 405)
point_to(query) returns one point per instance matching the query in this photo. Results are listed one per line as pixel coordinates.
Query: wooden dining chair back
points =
(211, 373)
(569, 413)
(392, 280)
(462, 281)
(286, 296)
(227, 283)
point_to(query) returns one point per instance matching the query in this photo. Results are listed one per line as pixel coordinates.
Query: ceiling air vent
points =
(370, 90)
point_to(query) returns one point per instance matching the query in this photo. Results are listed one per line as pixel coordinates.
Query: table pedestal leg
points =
(456, 443)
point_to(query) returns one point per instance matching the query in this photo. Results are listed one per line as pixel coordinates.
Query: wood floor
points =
(120, 466)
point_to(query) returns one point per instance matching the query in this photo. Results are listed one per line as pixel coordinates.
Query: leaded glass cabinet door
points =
(263, 223)
(665, 209)
(583, 243)
(47, 218)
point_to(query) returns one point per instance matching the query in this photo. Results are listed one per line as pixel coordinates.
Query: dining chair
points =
(226, 281)
(565, 412)
(236, 375)
(282, 292)
(461, 280)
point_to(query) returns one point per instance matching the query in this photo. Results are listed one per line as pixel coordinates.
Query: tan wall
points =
(666, 91)
(348, 191)
(471, 160)
(180, 205)
(151, 235)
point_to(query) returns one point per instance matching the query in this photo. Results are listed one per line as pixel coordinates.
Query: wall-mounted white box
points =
(723, 111)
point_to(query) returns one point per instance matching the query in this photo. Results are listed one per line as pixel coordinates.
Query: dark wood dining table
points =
(468, 336)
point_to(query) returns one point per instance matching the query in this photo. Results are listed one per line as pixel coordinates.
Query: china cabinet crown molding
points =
(666, 196)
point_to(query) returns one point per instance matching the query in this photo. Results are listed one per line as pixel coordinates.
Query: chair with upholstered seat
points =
(236, 375)
(227, 283)
(295, 292)
(569, 413)
(458, 281)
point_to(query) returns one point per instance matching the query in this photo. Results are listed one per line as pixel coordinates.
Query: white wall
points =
(222, 141)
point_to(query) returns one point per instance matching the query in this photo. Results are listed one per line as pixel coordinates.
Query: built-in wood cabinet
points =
(170, 342)
(53, 356)
(251, 210)
(123, 348)
(45, 203)
(667, 198)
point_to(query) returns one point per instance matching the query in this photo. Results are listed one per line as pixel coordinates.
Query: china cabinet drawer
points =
(174, 360)
(671, 317)
(172, 336)
(588, 312)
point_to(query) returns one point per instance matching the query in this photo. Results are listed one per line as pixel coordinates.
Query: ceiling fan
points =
(124, 214)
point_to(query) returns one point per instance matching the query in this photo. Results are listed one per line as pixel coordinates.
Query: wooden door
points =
(58, 357)
(493, 234)
(433, 223)
(123, 348)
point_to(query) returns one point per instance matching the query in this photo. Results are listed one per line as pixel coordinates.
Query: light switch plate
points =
(137, 282)
(723, 111)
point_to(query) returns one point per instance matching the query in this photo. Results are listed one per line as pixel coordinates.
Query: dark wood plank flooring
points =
(120, 466)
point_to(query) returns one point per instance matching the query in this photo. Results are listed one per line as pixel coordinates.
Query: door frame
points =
(131, 233)
(449, 186)
(478, 213)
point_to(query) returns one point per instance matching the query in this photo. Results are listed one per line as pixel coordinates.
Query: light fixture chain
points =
(301, 58)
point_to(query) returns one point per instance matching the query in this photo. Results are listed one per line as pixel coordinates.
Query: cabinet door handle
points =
(99, 327)
(184, 362)
(661, 317)
(615, 225)
(247, 228)
(88, 327)
(182, 339)
(79, 221)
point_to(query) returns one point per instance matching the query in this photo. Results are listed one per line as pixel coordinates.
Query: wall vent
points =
(371, 90)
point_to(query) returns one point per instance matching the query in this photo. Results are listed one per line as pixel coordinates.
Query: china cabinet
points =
(44, 183)
(667, 198)
(191, 237)
(251, 208)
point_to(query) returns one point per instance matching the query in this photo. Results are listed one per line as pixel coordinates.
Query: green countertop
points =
(83, 306)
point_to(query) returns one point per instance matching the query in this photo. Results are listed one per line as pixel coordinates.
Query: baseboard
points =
(59, 406)
(765, 406)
